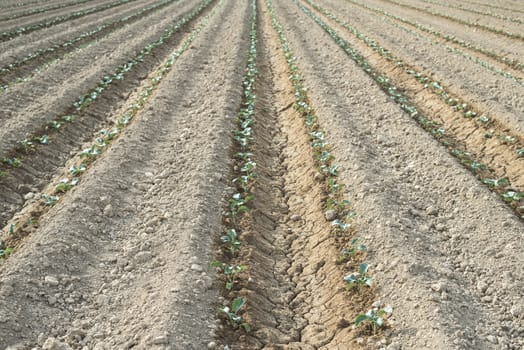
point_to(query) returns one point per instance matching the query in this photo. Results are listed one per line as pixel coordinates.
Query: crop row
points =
(10, 34)
(44, 9)
(338, 209)
(86, 157)
(480, 62)
(478, 12)
(512, 63)
(492, 6)
(455, 103)
(20, 4)
(10, 73)
(458, 20)
(514, 198)
(238, 204)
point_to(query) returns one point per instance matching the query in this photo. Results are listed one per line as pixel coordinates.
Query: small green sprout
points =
(75, 171)
(360, 278)
(49, 200)
(496, 182)
(512, 196)
(483, 119)
(229, 271)
(520, 152)
(339, 206)
(27, 145)
(67, 118)
(54, 124)
(238, 204)
(354, 248)
(4, 251)
(231, 238)
(43, 140)
(374, 318)
(13, 162)
(506, 139)
(234, 319)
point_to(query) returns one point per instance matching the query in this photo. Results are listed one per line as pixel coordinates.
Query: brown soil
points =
(122, 260)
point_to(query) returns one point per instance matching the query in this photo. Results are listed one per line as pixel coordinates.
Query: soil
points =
(123, 259)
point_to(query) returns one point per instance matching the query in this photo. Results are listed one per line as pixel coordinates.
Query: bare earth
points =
(121, 257)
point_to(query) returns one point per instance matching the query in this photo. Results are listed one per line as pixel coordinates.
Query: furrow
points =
(457, 118)
(23, 68)
(69, 131)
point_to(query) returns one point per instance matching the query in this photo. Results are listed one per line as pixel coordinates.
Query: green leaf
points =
(363, 268)
(237, 304)
(360, 319)
(247, 327)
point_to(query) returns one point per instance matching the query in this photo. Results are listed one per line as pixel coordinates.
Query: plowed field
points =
(261, 174)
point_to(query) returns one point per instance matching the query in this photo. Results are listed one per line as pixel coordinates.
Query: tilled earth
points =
(395, 124)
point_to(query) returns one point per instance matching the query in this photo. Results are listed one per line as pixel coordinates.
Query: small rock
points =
(108, 210)
(296, 217)
(482, 286)
(51, 280)
(431, 210)
(515, 310)
(196, 267)
(492, 339)
(29, 195)
(437, 287)
(51, 300)
(53, 344)
(211, 345)
(161, 340)
(330, 215)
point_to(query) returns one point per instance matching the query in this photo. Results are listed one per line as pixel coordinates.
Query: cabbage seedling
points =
(353, 249)
(229, 271)
(360, 278)
(231, 238)
(232, 315)
(496, 182)
(374, 318)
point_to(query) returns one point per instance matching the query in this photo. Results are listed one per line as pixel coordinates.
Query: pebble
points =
(296, 217)
(29, 195)
(53, 344)
(492, 339)
(51, 280)
(515, 310)
(437, 287)
(161, 340)
(330, 215)
(196, 267)
(211, 345)
(108, 210)
(431, 210)
(482, 286)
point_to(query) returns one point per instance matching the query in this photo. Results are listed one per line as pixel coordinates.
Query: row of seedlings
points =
(11, 34)
(238, 204)
(483, 13)
(338, 210)
(459, 20)
(28, 145)
(43, 9)
(512, 63)
(80, 41)
(456, 103)
(503, 187)
(106, 136)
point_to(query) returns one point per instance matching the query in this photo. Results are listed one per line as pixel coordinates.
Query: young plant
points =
(496, 182)
(12, 162)
(43, 140)
(360, 278)
(231, 238)
(4, 251)
(374, 318)
(238, 204)
(49, 200)
(229, 271)
(27, 145)
(512, 196)
(232, 314)
(354, 248)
